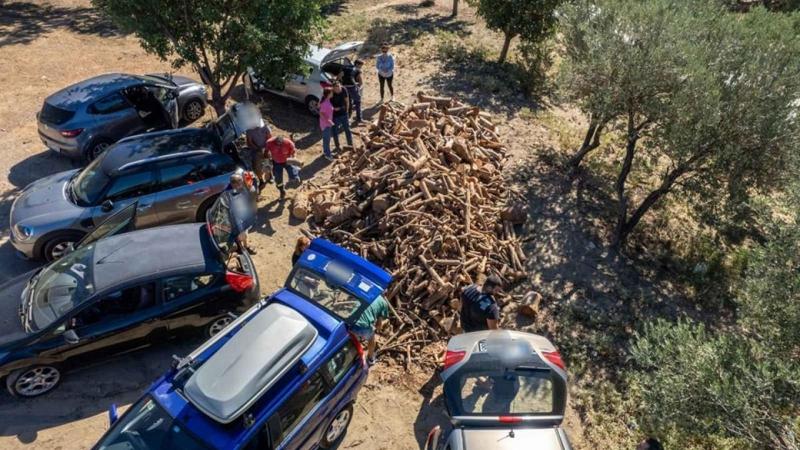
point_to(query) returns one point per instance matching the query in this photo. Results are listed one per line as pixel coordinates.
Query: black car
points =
(115, 293)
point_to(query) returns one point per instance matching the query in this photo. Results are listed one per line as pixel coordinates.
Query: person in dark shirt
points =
(352, 81)
(341, 114)
(479, 310)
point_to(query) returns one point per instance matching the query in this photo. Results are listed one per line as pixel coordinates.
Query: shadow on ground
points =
(23, 22)
(406, 31)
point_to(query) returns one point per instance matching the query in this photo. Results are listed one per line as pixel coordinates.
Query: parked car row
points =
(139, 248)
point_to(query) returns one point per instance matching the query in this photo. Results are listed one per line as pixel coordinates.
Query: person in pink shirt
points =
(326, 122)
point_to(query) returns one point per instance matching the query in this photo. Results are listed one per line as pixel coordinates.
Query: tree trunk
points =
(619, 185)
(590, 142)
(217, 100)
(455, 8)
(506, 46)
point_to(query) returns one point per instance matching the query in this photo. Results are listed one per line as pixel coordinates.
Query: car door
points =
(116, 117)
(186, 184)
(297, 84)
(137, 184)
(191, 300)
(119, 222)
(115, 322)
(168, 97)
(292, 414)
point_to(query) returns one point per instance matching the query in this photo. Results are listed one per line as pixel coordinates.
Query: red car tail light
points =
(451, 358)
(510, 419)
(72, 133)
(555, 358)
(359, 348)
(325, 85)
(239, 282)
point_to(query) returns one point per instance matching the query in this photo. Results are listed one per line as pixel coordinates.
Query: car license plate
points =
(481, 346)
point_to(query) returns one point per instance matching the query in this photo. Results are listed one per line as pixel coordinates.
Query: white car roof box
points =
(251, 362)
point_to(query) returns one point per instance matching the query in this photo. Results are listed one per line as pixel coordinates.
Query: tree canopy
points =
(710, 96)
(532, 21)
(219, 39)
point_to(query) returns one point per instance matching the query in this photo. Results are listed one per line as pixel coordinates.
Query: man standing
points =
(385, 66)
(341, 113)
(280, 150)
(370, 319)
(257, 138)
(242, 212)
(479, 310)
(351, 79)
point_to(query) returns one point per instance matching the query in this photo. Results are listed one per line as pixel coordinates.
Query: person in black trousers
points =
(385, 66)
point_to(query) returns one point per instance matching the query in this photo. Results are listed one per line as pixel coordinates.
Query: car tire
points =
(193, 110)
(312, 105)
(95, 148)
(217, 325)
(337, 428)
(204, 207)
(57, 244)
(33, 381)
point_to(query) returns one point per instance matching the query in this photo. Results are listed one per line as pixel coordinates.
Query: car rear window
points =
(54, 115)
(502, 392)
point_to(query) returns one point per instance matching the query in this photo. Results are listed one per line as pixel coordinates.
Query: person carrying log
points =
(371, 319)
(479, 310)
(257, 138)
(280, 150)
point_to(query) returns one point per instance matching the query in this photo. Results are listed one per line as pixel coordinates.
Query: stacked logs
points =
(424, 197)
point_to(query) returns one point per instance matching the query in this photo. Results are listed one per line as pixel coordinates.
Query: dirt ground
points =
(46, 45)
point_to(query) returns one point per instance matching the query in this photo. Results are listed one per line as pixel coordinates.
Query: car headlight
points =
(23, 232)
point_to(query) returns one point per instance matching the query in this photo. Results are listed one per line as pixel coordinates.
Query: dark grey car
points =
(82, 120)
(174, 176)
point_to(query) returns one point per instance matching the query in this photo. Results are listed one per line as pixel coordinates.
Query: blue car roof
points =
(332, 334)
(368, 280)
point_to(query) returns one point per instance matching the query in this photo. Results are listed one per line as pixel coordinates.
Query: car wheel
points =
(96, 148)
(33, 381)
(204, 207)
(193, 110)
(312, 105)
(218, 325)
(58, 245)
(337, 427)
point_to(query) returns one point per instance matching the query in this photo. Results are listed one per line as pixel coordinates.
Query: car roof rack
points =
(253, 360)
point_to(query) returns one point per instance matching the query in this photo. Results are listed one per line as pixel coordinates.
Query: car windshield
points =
(61, 286)
(219, 224)
(89, 184)
(147, 426)
(331, 297)
(502, 392)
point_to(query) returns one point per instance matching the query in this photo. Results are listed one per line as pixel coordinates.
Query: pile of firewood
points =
(424, 197)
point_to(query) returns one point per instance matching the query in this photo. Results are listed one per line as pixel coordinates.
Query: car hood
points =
(11, 331)
(45, 201)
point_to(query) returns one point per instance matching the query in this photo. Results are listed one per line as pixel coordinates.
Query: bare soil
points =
(48, 44)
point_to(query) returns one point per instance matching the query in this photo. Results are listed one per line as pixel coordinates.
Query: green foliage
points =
(533, 21)
(220, 39)
(705, 390)
(709, 92)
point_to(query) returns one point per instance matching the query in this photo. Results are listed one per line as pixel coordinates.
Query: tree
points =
(455, 8)
(219, 39)
(701, 389)
(707, 94)
(533, 21)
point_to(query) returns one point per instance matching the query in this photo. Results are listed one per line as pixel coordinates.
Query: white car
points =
(322, 66)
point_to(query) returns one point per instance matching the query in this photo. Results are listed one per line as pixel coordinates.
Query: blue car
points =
(284, 375)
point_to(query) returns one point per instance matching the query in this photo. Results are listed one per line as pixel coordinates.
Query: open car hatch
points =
(342, 50)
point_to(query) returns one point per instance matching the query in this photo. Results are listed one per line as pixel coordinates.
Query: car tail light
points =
(510, 419)
(325, 84)
(239, 282)
(359, 348)
(451, 358)
(555, 358)
(72, 133)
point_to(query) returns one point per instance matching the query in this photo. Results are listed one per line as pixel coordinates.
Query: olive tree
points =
(532, 21)
(710, 95)
(219, 39)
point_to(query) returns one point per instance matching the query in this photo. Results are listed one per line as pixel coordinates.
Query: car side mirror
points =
(113, 415)
(107, 206)
(71, 337)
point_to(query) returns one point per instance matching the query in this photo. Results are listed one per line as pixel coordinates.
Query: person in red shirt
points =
(280, 149)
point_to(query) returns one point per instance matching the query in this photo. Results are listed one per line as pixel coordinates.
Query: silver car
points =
(174, 176)
(82, 120)
(322, 66)
(504, 390)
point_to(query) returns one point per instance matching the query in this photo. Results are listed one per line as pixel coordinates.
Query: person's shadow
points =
(431, 412)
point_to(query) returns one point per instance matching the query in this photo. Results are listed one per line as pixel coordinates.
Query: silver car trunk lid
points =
(513, 439)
